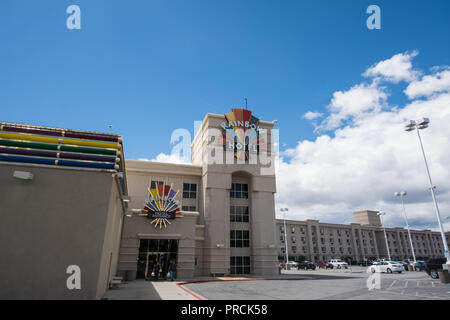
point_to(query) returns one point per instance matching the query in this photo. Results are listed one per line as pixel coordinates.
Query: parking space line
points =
(392, 284)
(406, 284)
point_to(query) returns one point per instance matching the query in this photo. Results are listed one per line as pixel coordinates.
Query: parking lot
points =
(344, 284)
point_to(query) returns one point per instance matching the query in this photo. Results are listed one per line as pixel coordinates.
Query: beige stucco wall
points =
(186, 229)
(62, 217)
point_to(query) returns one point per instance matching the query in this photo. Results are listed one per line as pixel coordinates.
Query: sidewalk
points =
(175, 290)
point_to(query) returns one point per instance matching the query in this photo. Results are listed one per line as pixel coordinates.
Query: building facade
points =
(317, 241)
(226, 222)
(61, 212)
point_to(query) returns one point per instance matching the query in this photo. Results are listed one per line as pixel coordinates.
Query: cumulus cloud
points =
(395, 69)
(310, 115)
(429, 84)
(369, 156)
(169, 158)
(355, 103)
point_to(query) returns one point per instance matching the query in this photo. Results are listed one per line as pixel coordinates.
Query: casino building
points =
(69, 199)
(226, 222)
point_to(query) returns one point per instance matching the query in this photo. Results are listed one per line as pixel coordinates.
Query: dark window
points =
(188, 208)
(239, 214)
(239, 238)
(155, 183)
(189, 190)
(239, 190)
(240, 265)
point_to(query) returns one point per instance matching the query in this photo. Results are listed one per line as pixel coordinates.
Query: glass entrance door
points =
(151, 251)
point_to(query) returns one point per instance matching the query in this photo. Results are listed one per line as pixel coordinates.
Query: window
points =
(331, 232)
(240, 265)
(281, 229)
(294, 249)
(303, 239)
(189, 190)
(239, 238)
(292, 229)
(347, 233)
(302, 230)
(282, 239)
(339, 232)
(155, 183)
(239, 190)
(305, 250)
(239, 214)
(293, 239)
(188, 208)
(324, 249)
(321, 231)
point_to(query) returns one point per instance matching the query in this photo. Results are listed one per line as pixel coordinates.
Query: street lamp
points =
(401, 195)
(423, 124)
(284, 210)
(385, 236)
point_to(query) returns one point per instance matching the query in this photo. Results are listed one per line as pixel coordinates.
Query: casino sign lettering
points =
(161, 205)
(241, 133)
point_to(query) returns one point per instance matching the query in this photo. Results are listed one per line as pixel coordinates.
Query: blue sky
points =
(149, 67)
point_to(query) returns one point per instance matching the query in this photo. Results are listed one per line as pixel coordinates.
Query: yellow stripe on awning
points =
(76, 142)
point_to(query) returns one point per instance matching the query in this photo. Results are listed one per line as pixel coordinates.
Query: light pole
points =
(423, 124)
(385, 236)
(401, 195)
(284, 210)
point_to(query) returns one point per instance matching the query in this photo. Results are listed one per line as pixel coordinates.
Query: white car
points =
(292, 264)
(387, 266)
(338, 264)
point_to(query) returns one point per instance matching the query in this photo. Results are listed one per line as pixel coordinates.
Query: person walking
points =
(172, 269)
(156, 270)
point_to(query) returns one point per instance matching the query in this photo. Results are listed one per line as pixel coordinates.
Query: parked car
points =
(403, 264)
(292, 264)
(433, 266)
(419, 265)
(324, 265)
(306, 265)
(339, 264)
(365, 263)
(387, 266)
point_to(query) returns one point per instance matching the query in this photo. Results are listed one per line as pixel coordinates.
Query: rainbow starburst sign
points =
(161, 205)
(241, 133)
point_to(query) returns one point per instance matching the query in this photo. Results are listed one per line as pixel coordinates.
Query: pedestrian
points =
(172, 269)
(156, 270)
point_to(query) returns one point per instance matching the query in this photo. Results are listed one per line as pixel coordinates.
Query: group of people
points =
(156, 271)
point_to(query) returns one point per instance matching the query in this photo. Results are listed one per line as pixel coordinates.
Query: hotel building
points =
(318, 241)
(69, 198)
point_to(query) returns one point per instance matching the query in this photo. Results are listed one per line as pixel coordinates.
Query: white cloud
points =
(429, 84)
(365, 162)
(395, 69)
(168, 158)
(310, 115)
(355, 103)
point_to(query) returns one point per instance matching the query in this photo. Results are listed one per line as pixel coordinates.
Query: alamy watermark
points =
(74, 280)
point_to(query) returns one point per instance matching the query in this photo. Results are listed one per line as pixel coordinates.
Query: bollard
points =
(444, 276)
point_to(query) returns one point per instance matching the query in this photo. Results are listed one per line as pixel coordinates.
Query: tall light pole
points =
(401, 195)
(284, 210)
(385, 236)
(423, 124)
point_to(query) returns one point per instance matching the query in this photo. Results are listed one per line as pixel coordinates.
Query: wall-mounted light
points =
(220, 245)
(23, 175)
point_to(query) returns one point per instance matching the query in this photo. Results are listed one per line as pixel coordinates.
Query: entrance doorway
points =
(155, 250)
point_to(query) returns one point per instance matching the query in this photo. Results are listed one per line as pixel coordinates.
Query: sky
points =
(340, 91)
